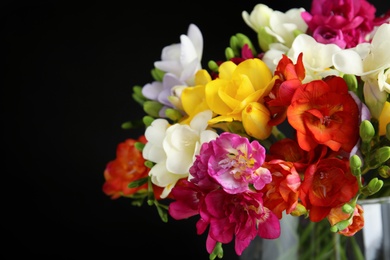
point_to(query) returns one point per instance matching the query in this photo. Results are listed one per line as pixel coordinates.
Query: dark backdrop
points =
(67, 76)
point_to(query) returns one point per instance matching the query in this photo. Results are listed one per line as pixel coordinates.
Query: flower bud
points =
(355, 163)
(366, 131)
(147, 120)
(243, 39)
(347, 208)
(384, 171)
(234, 46)
(342, 225)
(299, 210)
(372, 187)
(382, 154)
(173, 114)
(265, 39)
(152, 108)
(213, 66)
(255, 118)
(229, 53)
(157, 74)
(351, 81)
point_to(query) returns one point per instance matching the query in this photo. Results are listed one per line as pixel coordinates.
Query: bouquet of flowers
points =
(296, 122)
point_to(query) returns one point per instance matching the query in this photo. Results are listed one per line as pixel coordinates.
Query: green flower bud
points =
(157, 74)
(342, 225)
(213, 66)
(351, 81)
(127, 125)
(235, 45)
(265, 39)
(229, 53)
(347, 208)
(384, 171)
(334, 229)
(372, 187)
(152, 108)
(382, 154)
(149, 164)
(367, 131)
(243, 39)
(217, 252)
(139, 146)
(147, 120)
(355, 163)
(173, 114)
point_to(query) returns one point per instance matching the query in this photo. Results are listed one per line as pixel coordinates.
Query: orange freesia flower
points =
(282, 192)
(289, 79)
(326, 185)
(356, 223)
(127, 167)
(323, 112)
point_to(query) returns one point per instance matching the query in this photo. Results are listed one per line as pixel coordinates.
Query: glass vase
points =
(301, 239)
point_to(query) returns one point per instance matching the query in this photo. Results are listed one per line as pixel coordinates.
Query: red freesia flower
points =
(282, 193)
(326, 185)
(288, 150)
(126, 168)
(289, 79)
(323, 112)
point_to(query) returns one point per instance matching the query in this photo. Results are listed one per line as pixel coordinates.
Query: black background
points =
(67, 75)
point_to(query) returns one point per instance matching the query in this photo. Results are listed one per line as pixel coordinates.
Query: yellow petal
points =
(255, 118)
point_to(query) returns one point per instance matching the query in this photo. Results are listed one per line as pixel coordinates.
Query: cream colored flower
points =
(173, 148)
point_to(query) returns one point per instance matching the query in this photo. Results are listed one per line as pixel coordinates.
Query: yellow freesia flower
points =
(237, 87)
(193, 98)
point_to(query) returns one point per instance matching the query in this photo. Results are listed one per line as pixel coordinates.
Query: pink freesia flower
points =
(345, 23)
(240, 216)
(219, 192)
(234, 163)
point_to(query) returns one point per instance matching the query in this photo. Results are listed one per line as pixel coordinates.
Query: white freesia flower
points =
(173, 148)
(183, 59)
(259, 17)
(275, 26)
(317, 57)
(371, 62)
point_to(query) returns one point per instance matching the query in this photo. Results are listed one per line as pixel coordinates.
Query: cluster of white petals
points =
(276, 30)
(173, 148)
(371, 61)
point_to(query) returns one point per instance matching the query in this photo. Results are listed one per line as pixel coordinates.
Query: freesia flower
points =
(327, 184)
(236, 87)
(282, 192)
(344, 23)
(173, 148)
(317, 57)
(371, 62)
(275, 26)
(355, 223)
(127, 167)
(324, 113)
(221, 194)
(179, 62)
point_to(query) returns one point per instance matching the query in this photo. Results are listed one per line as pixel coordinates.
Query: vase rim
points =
(374, 200)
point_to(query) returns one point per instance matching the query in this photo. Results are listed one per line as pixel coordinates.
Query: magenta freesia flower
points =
(220, 193)
(345, 23)
(234, 162)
